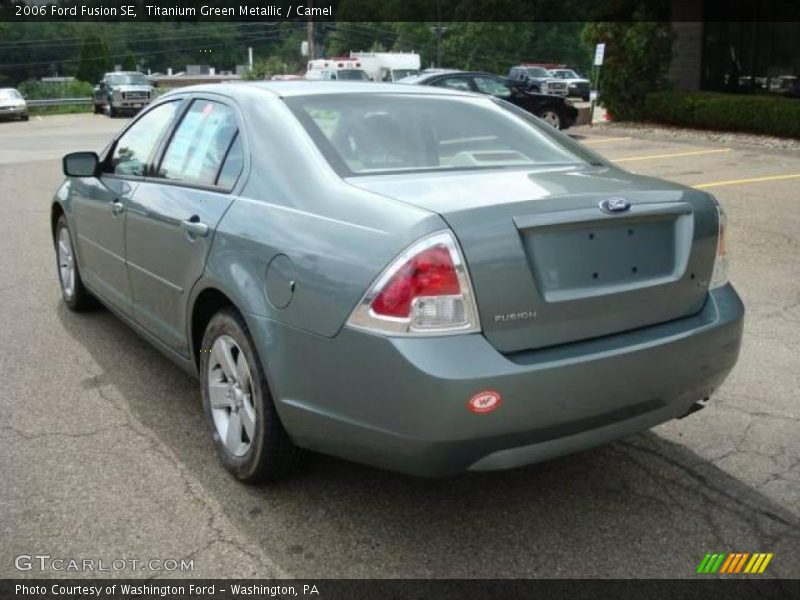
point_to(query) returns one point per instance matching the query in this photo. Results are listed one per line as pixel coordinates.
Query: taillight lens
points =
(426, 290)
(720, 275)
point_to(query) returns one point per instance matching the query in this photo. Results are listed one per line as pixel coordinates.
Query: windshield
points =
(385, 133)
(538, 72)
(127, 79)
(351, 75)
(10, 95)
(565, 74)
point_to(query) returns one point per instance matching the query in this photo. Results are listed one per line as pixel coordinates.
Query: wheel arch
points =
(56, 210)
(206, 303)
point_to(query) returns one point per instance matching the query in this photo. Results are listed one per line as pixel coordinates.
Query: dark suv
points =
(538, 79)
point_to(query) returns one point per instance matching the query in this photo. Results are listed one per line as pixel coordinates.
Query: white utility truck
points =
(388, 66)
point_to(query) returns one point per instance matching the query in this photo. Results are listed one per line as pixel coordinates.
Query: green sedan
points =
(421, 279)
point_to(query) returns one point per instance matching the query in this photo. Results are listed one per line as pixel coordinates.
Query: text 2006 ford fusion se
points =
(420, 279)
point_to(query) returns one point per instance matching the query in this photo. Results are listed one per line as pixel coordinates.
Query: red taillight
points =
(429, 273)
(425, 291)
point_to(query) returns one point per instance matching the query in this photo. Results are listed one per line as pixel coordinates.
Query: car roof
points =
(290, 89)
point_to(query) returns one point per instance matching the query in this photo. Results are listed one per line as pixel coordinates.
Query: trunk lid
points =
(549, 266)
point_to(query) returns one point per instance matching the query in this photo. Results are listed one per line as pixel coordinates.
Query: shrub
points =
(771, 115)
(33, 89)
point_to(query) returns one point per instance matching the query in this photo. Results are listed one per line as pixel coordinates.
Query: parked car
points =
(576, 85)
(12, 104)
(122, 92)
(555, 110)
(538, 79)
(413, 277)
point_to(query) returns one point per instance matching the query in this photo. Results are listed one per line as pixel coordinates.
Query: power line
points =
(78, 39)
(151, 52)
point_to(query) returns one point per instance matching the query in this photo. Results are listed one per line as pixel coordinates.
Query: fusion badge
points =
(484, 402)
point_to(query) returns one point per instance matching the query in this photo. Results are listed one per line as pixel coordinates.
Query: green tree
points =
(128, 62)
(266, 68)
(637, 54)
(94, 59)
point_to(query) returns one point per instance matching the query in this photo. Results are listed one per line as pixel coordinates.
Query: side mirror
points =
(81, 164)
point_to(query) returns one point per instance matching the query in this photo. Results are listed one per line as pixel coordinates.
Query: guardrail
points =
(59, 102)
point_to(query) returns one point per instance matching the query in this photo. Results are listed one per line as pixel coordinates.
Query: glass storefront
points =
(751, 57)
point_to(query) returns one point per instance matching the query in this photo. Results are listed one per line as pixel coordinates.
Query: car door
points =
(173, 214)
(100, 206)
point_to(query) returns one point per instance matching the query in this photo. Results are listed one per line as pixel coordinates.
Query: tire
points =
(112, 112)
(585, 97)
(76, 296)
(98, 109)
(24, 117)
(236, 393)
(551, 116)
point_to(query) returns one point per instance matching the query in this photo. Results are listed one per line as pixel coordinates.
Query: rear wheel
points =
(75, 295)
(248, 434)
(551, 117)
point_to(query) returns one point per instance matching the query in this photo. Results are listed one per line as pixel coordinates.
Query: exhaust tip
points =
(699, 405)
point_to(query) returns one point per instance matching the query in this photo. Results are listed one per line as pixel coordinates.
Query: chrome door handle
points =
(117, 207)
(195, 227)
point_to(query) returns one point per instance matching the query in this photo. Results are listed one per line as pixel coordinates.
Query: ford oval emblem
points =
(615, 205)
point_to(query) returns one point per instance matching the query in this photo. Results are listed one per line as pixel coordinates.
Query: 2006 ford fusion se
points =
(420, 279)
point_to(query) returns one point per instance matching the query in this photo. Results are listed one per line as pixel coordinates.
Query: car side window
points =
(454, 83)
(233, 164)
(493, 87)
(134, 148)
(200, 144)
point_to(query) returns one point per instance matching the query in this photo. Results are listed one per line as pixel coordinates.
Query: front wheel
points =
(24, 117)
(112, 112)
(75, 295)
(551, 117)
(248, 434)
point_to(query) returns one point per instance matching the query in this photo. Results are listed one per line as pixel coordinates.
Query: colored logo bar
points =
(733, 563)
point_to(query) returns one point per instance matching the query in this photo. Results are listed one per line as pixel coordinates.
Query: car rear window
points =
(383, 133)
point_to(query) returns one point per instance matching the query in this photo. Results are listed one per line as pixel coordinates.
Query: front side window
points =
(133, 149)
(493, 87)
(200, 144)
(454, 83)
(389, 133)
(537, 72)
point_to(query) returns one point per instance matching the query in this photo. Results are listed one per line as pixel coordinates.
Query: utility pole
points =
(439, 30)
(310, 34)
(250, 57)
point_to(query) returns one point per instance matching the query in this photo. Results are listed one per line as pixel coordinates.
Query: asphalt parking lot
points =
(105, 454)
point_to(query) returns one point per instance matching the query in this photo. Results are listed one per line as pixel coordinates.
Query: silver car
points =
(12, 104)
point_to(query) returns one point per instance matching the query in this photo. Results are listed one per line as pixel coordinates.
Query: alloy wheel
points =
(66, 263)
(230, 392)
(551, 118)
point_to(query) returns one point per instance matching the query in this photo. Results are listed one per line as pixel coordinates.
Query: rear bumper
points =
(401, 403)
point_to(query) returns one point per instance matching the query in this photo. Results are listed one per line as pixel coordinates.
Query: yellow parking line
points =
(749, 180)
(604, 140)
(673, 155)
